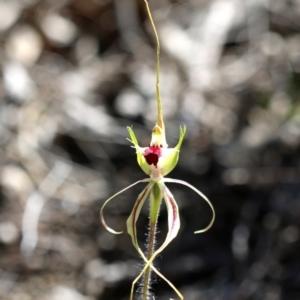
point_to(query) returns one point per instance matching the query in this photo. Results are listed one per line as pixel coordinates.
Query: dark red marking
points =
(174, 211)
(152, 155)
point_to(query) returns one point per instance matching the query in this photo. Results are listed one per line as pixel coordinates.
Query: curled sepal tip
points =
(109, 199)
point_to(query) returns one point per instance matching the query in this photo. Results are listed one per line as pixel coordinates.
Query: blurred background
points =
(75, 73)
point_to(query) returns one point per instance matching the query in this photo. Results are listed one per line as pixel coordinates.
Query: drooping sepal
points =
(173, 224)
(173, 216)
(158, 190)
(109, 199)
(201, 195)
(131, 221)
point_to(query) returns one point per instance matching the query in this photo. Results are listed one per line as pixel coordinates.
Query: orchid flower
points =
(156, 161)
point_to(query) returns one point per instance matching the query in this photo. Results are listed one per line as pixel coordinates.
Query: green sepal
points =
(181, 137)
(171, 159)
(140, 157)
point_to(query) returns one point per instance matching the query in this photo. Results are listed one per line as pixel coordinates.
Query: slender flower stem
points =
(155, 201)
(160, 121)
(151, 243)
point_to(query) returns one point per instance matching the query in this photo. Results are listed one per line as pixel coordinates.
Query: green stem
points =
(155, 201)
(160, 121)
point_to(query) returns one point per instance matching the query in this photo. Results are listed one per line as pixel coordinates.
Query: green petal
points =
(140, 157)
(171, 159)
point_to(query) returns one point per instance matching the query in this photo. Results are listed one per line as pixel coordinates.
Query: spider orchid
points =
(156, 161)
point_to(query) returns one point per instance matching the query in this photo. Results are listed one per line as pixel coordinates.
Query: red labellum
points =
(152, 154)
